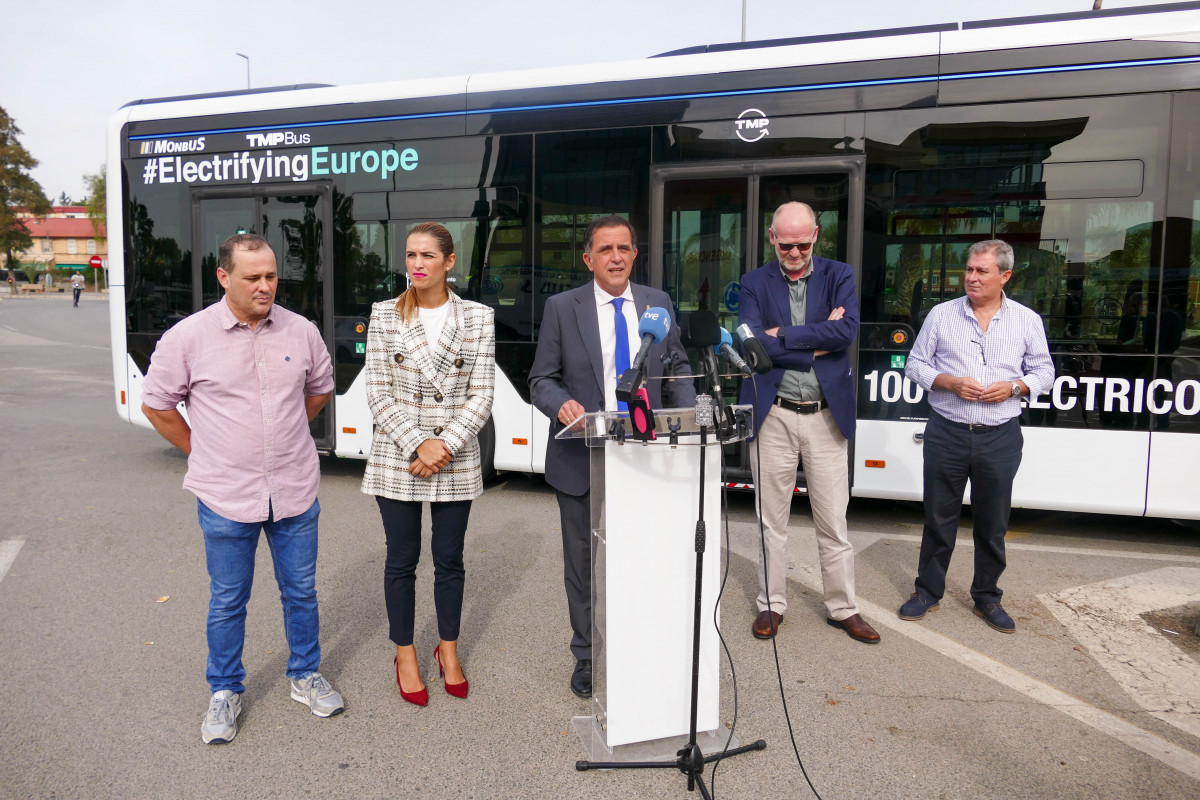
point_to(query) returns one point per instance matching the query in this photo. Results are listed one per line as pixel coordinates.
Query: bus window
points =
(582, 176)
(1075, 187)
(158, 270)
(704, 243)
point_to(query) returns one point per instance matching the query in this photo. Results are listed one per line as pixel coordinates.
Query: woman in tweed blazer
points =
(431, 364)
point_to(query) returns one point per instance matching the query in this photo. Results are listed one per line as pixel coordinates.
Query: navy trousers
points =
(989, 458)
(402, 527)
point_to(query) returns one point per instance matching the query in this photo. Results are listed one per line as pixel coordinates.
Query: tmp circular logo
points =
(751, 125)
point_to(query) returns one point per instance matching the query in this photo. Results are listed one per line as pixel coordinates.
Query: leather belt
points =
(809, 407)
(975, 427)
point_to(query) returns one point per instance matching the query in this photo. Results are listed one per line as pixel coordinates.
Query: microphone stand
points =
(691, 760)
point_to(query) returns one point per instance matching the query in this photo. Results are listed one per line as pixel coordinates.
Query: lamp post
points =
(243, 55)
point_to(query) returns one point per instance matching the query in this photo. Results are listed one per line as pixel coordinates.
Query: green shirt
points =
(797, 385)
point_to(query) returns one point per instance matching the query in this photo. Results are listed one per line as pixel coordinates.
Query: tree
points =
(18, 190)
(97, 209)
(64, 199)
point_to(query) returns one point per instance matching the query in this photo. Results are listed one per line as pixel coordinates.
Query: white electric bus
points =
(1072, 136)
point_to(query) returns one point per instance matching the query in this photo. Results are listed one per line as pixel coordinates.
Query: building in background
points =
(63, 242)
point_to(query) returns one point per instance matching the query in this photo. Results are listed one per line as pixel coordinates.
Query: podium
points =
(645, 501)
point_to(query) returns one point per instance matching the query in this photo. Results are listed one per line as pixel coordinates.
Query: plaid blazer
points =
(420, 390)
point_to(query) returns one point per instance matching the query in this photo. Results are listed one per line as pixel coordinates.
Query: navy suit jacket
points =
(569, 365)
(764, 304)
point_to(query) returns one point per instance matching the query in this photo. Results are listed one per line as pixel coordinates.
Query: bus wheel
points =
(487, 450)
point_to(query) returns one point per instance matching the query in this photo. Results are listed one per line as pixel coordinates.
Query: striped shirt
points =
(951, 342)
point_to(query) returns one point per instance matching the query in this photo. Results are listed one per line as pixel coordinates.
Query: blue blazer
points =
(568, 365)
(764, 304)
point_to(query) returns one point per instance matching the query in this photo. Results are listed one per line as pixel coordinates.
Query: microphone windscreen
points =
(705, 330)
(726, 339)
(655, 321)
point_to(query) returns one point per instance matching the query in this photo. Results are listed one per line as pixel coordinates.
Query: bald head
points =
(794, 212)
(794, 233)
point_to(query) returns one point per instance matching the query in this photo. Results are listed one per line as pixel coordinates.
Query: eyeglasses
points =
(982, 352)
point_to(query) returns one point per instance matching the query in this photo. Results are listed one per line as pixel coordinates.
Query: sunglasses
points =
(803, 246)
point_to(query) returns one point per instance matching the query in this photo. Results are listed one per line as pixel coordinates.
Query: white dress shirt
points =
(608, 337)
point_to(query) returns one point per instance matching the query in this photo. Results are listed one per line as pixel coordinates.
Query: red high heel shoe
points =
(454, 689)
(420, 698)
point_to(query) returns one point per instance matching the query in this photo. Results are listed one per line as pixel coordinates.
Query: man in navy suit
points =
(804, 310)
(574, 372)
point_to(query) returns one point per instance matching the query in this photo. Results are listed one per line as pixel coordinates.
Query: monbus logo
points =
(160, 146)
(751, 125)
(276, 138)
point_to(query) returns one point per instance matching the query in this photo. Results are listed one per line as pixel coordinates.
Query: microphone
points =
(706, 331)
(653, 328)
(707, 335)
(756, 354)
(725, 348)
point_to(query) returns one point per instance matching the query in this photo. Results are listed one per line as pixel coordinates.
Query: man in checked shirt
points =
(252, 376)
(977, 356)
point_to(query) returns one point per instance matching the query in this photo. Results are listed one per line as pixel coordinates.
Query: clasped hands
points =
(836, 314)
(972, 390)
(432, 456)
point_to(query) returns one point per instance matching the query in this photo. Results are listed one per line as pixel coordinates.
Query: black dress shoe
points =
(581, 678)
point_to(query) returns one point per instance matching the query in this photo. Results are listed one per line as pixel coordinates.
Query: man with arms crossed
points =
(977, 356)
(804, 310)
(252, 375)
(575, 372)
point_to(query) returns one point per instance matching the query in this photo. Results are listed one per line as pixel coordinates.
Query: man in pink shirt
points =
(252, 376)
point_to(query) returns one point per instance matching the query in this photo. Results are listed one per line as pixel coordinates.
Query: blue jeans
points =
(229, 549)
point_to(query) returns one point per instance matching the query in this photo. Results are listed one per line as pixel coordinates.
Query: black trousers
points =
(402, 527)
(989, 459)
(575, 516)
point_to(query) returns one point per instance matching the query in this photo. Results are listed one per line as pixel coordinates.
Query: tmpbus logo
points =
(159, 146)
(276, 138)
(751, 125)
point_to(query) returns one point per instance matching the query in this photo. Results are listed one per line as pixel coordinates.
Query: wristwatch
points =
(1016, 389)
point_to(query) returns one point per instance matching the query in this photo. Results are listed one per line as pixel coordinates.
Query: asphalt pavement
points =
(103, 595)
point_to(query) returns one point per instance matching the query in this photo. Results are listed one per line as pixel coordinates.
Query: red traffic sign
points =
(96, 262)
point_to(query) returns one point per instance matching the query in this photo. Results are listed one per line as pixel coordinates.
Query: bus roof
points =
(1179, 22)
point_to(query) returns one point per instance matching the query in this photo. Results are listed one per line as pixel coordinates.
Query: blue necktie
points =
(622, 344)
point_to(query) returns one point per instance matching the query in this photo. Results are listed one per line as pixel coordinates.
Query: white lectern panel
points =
(652, 498)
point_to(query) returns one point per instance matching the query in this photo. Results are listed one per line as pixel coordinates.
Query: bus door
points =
(1171, 331)
(294, 219)
(709, 227)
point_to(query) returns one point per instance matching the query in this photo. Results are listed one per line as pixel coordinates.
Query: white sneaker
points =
(317, 693)
(220, 721)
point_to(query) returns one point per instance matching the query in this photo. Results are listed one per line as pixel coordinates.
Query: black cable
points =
(762, 541)
(712, 778)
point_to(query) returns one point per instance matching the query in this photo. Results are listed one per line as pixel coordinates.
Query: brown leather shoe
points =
(857, 628)
(766, 623)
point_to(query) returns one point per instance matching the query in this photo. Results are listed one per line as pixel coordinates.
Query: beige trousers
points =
(817, 440)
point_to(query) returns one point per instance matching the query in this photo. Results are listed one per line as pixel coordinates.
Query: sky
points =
(67, 66)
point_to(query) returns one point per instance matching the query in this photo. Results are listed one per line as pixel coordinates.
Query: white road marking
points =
(8, 554)
(1106, 618)
(805, 569)
(1049, 548)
